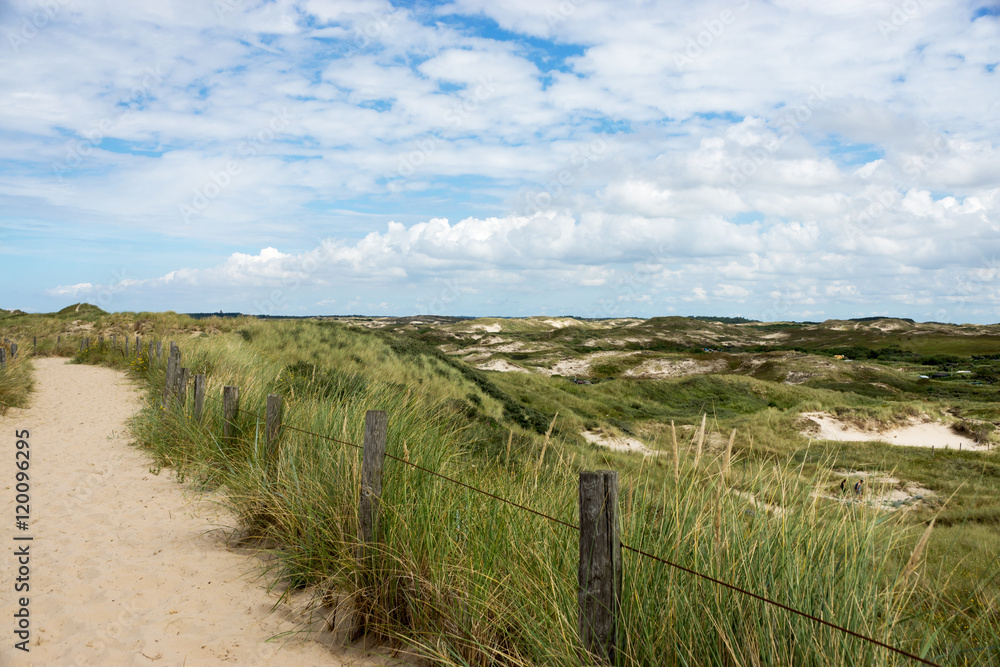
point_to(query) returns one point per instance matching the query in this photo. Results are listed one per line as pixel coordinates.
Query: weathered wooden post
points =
(138, 346)
(272, 425)
(3, 357)
(34, 340)
(600, 571)
(376, 428)
(159, 351)
(126, 346)
(13, 350)
(182, 386)
(230, 412)
(149, 354)
(58, 342)
(199, 396)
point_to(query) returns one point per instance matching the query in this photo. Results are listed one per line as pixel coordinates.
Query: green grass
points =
(466, 580)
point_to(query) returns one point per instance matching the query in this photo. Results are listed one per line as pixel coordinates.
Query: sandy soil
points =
(503, 366)
(921, 434)
(669, 368)
(127, 568)
(620, 444)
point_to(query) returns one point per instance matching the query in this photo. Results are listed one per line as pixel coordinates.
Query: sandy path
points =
(126, 568)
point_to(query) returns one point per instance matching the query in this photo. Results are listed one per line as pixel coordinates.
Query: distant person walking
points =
(857, 487)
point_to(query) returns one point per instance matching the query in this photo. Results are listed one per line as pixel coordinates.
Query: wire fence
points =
(627, 547)
(624, 546)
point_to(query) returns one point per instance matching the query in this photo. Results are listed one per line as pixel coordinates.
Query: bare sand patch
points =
(657, 369)
(502, 366)
(488, 328)
(878, 490)
(560, 323)
(581, 365)
(128, 567)
(617, 443)
(916, 434)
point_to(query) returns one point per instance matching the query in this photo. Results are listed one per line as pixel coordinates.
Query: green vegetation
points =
(462, 579)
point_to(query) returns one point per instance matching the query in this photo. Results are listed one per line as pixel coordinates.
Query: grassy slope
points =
(452, 549)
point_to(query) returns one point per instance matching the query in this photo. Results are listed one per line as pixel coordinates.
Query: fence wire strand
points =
(625, 546)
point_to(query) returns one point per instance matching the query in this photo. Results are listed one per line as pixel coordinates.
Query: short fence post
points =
(3, 357)
(272, 425)
(159, 351)
(34, 340)
(13, 350)
(600, 570)
(182, 386)
(149, 355)
(230, 411)
(58, 341)
(138, 346)
(376, 428)
(199, 396)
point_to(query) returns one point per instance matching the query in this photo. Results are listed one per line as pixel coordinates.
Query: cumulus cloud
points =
(653, 155)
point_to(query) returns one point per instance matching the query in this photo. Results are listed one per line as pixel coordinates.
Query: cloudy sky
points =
(791, 159)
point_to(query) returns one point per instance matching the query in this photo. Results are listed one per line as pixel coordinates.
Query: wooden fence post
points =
(34, 340)
(199, 396)
(272, 425)
(230, 411)
(159, 351)
(181, 389)
(149, 354)
(138, 346)
(13, 350)
(3, 357)
(600, 571)
(376, 428)
(58, 341)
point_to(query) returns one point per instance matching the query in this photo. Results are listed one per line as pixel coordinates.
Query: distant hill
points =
(82, 309)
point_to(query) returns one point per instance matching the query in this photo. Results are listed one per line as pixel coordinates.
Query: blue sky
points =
(775, 160)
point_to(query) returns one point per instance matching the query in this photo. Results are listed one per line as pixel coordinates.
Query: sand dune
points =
(127, 568)
(917, 434)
